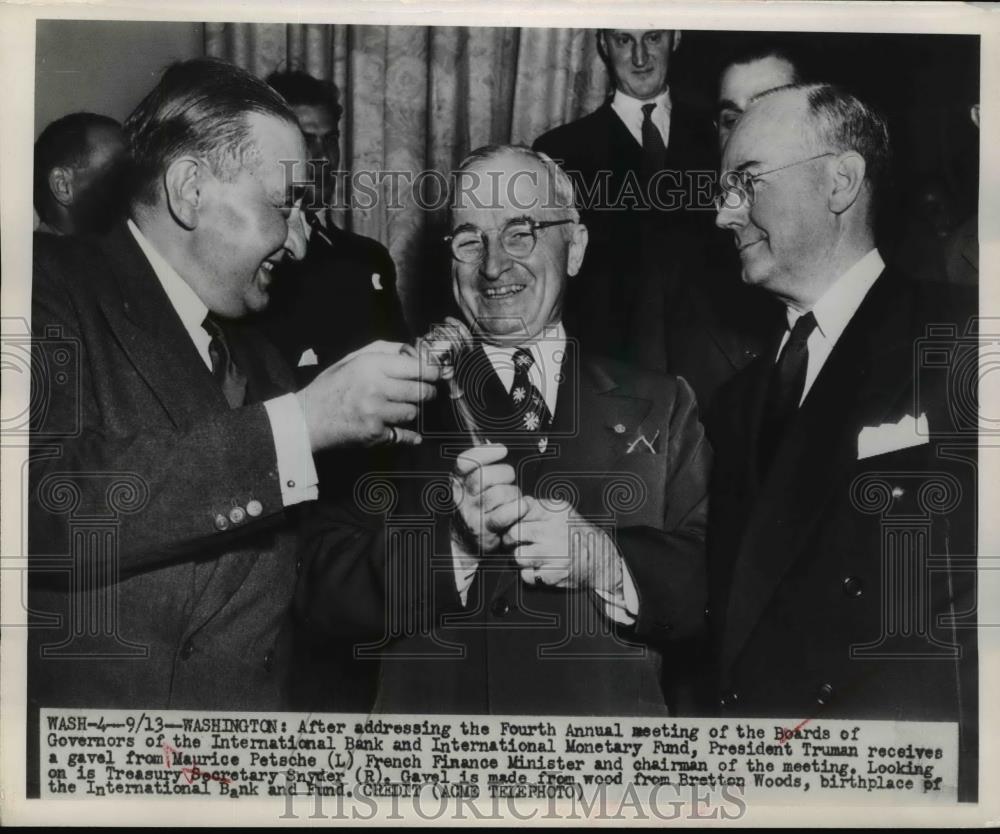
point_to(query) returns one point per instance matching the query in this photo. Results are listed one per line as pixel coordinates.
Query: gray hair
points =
(845, 123)
(562, 192)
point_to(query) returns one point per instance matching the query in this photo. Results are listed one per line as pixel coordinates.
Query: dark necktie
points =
(654, 152)
(230, 379)
(529, 404)
(788, 379)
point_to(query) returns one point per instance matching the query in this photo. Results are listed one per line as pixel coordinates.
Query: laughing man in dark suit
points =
(543, 568)
(843, 498)
(175, 428)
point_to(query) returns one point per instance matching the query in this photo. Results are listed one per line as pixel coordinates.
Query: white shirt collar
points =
(840, 302)
(548, 351)
(185, 301)
(629, 110)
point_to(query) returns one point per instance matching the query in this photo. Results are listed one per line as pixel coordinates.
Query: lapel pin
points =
(377, 280)
(543, 444)
(642, 439)
(619, 428)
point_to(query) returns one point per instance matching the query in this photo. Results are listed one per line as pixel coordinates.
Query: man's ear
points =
(848, 177)
(61, 185)
(677, 40)
(183, 185)
(577, 248)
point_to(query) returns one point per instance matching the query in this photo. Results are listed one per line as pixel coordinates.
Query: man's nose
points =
(640, 55)
(298, 235)
(496, 261)
(730, 215)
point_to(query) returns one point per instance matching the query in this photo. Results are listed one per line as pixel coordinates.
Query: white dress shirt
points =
(548, 353)
(629, 110)
(835, 308)
(296, 468)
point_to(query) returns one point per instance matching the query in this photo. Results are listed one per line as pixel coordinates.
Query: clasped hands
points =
(551, 542)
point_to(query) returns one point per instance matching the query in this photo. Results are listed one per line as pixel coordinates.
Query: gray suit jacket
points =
(162, 559)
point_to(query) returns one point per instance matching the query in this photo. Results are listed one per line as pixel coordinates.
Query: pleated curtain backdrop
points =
(420, 98)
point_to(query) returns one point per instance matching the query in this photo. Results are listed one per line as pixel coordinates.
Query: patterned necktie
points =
(788, 379)
(654, 152)
(529, 404)
(227, 375)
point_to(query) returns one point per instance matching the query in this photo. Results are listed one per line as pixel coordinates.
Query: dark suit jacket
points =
(383, 571)
(698, 320)
(808, 601)
(604, 160)
(162, 560)
(337, 299)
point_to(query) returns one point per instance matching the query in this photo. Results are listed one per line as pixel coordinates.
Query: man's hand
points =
(487, 500)
(364, 397)
(555, 545)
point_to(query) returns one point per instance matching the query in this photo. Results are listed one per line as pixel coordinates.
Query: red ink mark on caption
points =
(787, 735)
(193, 772)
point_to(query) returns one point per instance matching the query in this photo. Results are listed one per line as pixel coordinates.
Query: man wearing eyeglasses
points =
(565, 545)
(841, 473)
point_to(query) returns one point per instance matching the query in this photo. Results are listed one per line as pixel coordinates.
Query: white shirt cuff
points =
(622, 606)
(465, 565)
(296, 469)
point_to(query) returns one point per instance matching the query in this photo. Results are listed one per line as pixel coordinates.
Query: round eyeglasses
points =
(736, 189)
(469, 244)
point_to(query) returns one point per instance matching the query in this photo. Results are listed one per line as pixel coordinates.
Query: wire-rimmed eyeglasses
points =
(469, 244)
(735, 189)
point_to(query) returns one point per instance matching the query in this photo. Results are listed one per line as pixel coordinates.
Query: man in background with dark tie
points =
(538, 556)
(843, 469)
(175, 426)
(634, 162)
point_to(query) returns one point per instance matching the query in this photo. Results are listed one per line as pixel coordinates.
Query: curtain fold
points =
(417, 99)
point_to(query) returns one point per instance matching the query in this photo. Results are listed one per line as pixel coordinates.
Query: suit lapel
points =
(152, 335)
(867, 374)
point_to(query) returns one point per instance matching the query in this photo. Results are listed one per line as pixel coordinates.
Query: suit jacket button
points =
(824, 695)
(852, 586)
(221, 522)
(254, 508)
(268, 660)
(237, 514)
(187, 650)
(729, 698)
(298, 566)
(500, 607)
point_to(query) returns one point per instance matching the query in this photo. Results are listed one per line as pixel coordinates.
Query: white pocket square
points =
(308, 358)
(891, 437)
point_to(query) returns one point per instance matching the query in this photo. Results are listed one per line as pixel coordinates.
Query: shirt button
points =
(500, 607)
(290, 484)
(237, 514)
(852, 586)
(254, 508)
(187, 650)
(221, 522)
